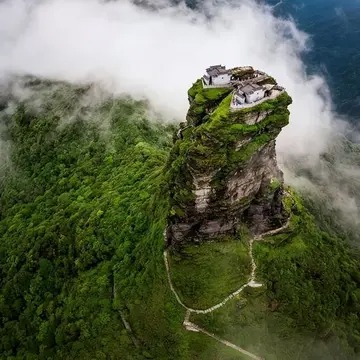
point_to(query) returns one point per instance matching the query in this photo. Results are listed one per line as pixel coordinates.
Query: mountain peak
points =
(223, 169)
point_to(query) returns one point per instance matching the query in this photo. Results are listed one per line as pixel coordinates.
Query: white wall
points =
(237, 105)
(256, 96)
(240, 99)
(221, 80)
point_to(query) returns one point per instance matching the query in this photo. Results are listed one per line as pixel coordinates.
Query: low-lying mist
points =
(156, 53)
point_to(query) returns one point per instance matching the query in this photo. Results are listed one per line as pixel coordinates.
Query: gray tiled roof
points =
(212, 67)
(216, 70)
(250, 88)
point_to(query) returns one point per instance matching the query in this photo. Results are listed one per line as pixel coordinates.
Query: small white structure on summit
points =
(252, 92)
(251, 87)
(217, 76)
(249, 94)
(238, 99)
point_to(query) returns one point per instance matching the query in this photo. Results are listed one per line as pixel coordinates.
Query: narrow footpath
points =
(190, 326)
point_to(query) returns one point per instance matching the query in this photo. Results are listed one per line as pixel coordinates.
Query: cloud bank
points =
(157, 54)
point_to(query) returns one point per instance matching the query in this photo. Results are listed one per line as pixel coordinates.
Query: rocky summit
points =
(223, 171)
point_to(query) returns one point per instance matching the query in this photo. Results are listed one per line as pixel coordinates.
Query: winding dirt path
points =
(193, 327)
(251, 283)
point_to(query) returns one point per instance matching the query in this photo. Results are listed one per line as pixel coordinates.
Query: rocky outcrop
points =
(223, 170)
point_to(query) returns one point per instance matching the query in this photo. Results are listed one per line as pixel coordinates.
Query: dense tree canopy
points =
(83, 206)
(81, 229)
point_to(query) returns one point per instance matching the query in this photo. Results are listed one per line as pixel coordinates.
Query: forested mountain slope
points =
(84, 205)
(82, 218)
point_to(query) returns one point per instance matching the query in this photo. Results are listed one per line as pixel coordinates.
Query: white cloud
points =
(158, 54)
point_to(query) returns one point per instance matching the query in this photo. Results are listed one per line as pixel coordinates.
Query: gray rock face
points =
(202, 192)
(216, 215)
(254, 118)
(261, 170)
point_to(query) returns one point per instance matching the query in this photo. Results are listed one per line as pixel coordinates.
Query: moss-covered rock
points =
(223, 167)
(203, 101)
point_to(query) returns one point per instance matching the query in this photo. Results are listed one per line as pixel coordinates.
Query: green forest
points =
(83, 209)
(82, 217)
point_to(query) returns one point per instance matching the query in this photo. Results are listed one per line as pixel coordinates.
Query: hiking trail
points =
(190, 326)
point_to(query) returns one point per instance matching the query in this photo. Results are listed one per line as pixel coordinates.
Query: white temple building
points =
(216, 76)
(246, 84)
(250, 93)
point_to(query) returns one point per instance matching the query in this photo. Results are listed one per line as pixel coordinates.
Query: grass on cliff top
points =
(222, 115)
(204, 98)
(201, 94)
(222, 111)
(205, 274)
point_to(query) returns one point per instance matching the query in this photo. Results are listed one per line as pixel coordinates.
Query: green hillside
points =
(82, 218)
(83, 207)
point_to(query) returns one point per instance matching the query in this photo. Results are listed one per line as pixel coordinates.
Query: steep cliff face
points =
(223, 169)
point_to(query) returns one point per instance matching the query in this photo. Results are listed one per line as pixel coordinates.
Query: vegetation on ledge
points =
(203, 100)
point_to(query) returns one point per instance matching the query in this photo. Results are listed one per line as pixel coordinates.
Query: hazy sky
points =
(158, 54)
